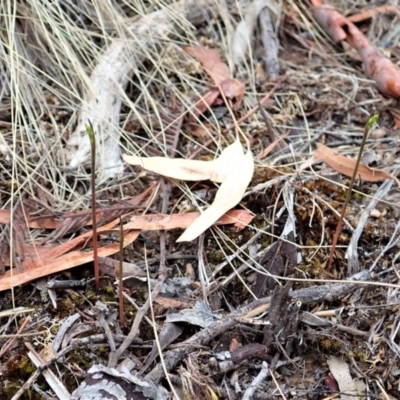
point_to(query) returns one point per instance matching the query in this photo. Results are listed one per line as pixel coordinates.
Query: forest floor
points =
(251, 310)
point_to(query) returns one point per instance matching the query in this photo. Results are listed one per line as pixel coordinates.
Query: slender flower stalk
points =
(90, 133)
(368, 126)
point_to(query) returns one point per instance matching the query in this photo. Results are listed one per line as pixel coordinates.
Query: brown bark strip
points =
(379, 68)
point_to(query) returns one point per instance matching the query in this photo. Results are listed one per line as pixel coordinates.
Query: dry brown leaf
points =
(241, 219)
(163, 222)
(191, 170)
(41, 261)
(42, 223)
(228, 196)
(170, 303)
(218, 72)
(346, 165)
(41, 255)
(211, 61)
(205, 102)
(68, 246)
(330, 20)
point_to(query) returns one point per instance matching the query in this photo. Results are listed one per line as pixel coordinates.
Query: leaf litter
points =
(184, 101)
(218, 72)
(233, 169)
(345, 166)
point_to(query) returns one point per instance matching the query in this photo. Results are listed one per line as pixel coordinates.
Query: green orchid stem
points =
(90, 133)
(367, 128)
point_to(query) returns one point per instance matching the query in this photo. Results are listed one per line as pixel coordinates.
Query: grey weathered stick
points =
(352, 255)
(110, 77)
(264, 372)
(311, 295)
(270, 42)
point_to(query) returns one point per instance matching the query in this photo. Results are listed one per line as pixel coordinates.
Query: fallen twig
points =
(108, 81)
(311, 295)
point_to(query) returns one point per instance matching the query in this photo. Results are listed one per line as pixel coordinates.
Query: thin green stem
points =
(367, 128)
(90, 133)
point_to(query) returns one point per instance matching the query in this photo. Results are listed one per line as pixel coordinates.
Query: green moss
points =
(216, 257)
(9, 389)
(356, 196)
(76, 298)
(361, 356)
(26, 366)
(81, 359)
(109, 289)
(91, 294)
(18, 366)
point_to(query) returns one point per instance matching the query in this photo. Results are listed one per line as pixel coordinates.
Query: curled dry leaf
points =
(330, 20)
(346, 165)
(218, 72)
(379, 68)
(233, 168)
(190, 170)
(228, 196)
